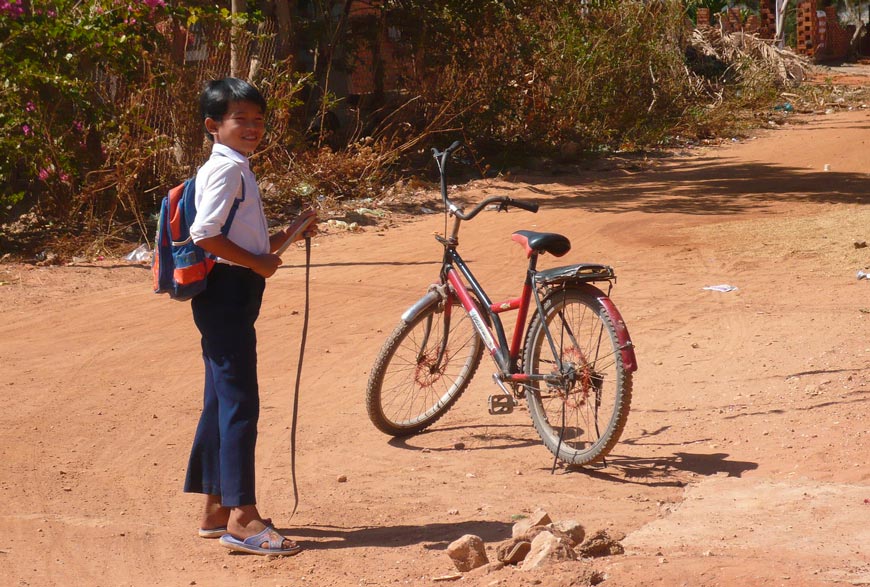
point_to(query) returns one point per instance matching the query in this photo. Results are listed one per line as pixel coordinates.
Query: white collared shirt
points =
(218, 185)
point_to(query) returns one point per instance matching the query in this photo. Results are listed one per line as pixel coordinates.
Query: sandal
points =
(212, 532)
(254, 544)
(221, 530)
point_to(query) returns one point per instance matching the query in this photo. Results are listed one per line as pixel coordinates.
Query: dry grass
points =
(826, 234)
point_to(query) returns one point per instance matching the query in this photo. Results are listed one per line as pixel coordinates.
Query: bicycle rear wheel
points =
(422, 369)
(579, 420)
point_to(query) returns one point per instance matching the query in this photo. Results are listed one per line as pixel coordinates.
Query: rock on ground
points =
(467, 553)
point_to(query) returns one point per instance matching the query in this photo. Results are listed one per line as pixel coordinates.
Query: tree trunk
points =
(236, 40)
(283, 48)
(779, 15)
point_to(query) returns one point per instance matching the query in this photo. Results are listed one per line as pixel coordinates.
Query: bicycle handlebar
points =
(442, 155)
(503, 201)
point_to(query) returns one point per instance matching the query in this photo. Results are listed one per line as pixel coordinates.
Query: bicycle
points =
(572, 362)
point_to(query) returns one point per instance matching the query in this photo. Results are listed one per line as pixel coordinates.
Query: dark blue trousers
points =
(222, 457)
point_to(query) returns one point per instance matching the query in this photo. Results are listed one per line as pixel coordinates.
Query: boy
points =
(222, 458)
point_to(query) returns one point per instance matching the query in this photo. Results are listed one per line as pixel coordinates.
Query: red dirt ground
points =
(744, 461)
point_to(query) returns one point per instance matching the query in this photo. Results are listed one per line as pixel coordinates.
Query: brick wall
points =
(388, 55)
(767, 25)
(806, 27)
(732, 21)
(821, 36)
(839, 37)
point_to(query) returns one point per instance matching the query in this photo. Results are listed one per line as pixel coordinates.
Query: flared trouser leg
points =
(222, 457)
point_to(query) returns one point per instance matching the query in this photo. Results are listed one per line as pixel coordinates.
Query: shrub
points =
(604, 74)
(52, 117)
(98, 113)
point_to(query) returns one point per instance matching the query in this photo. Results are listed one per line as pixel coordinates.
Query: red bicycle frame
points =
(505, 356)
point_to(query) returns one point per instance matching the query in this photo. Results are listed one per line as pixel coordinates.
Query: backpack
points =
(179, 266)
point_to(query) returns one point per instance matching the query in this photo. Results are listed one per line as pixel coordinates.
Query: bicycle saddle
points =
(542, 242)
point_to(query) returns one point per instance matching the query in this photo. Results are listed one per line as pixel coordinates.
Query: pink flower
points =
(29, 107)
(12, 9)
(64, 177)
(44, 174)
(78, 126)
(25, 128)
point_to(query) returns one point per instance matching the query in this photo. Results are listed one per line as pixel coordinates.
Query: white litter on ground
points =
(723, 287)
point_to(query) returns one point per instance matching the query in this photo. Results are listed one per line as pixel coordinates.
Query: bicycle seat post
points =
(531, 270)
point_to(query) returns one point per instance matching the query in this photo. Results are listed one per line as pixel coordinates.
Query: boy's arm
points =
(221, 246)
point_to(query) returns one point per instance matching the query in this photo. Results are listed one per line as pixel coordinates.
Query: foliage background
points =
(98, 114)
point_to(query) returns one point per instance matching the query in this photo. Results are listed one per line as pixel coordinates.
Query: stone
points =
(600, 544)
(547, 547)
(513, 551)
(537, 518)
(467, 553)
(486, 569)
(572, 529)
(450, 577)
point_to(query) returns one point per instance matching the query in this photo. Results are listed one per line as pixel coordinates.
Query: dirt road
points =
(744, 461)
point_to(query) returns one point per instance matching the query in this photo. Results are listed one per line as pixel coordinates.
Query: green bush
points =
(550, 73)
(53, 119)
(98, 114)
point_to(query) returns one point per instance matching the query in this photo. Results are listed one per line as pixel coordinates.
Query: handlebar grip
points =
(528, 206)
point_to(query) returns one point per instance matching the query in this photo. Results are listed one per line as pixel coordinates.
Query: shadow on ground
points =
(707, 185)
(664, 471)
(432, 536)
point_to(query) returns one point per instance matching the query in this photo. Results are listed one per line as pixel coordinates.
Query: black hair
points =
(218, 94)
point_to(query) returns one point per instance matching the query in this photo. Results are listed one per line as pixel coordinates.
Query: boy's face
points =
(241, 129)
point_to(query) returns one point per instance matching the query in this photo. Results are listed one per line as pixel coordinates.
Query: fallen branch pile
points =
(743, 51)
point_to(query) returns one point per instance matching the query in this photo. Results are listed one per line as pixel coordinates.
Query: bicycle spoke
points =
(583, 402)
(421, 371)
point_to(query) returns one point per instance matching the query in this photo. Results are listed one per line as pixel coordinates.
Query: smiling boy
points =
(221, 462)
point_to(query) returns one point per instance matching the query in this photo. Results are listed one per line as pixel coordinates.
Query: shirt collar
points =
(225, 151)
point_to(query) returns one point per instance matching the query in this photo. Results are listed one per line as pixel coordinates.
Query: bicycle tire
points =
(406, 392)
(582, 424)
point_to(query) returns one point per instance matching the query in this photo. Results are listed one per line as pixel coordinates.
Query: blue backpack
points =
(179, 267)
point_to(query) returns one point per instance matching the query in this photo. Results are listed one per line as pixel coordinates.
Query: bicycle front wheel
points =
(422, 369)
(580, 417)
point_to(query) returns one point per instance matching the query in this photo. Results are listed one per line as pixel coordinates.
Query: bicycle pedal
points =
(500, 404)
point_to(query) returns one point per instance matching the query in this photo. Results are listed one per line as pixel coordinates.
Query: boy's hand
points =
(310, 232)
(303, 226)
(266, 265)
(307, 222)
